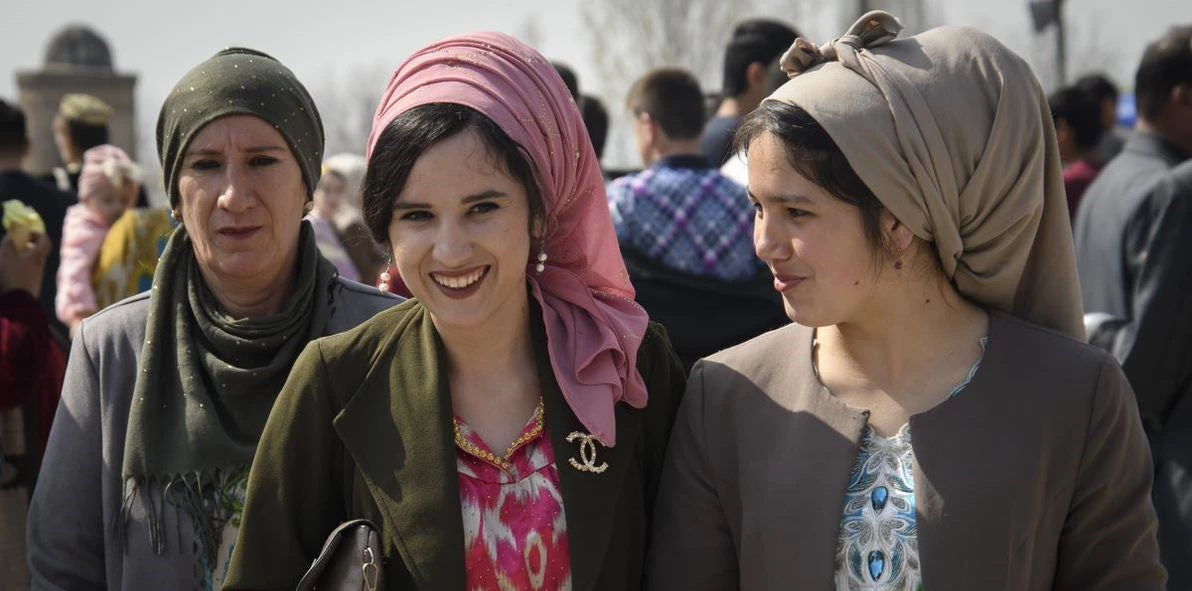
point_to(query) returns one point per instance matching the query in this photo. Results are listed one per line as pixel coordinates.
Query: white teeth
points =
(459, 282)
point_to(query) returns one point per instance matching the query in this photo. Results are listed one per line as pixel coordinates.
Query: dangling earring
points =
(385, 277)
(541, 266)
(174, 215)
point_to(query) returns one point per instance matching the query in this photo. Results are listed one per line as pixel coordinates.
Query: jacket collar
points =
(681, 161)
(404, 447)
(813, 433)
(1152, 145)
(397, 427)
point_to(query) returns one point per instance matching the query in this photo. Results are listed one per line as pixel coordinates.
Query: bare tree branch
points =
(347, 100)
(630, 37)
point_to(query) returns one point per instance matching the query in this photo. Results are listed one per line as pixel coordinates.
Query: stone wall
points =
(40, 93)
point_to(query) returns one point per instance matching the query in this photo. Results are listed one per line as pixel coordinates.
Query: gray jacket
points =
(1133, 238)
(72, 540)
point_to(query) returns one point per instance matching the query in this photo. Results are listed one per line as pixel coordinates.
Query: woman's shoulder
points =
(122, 321)
(1027, 366)
(380, 328)
(360, 302)
(1025, 351)
(656, 345)
(657, 361)
(761, 354)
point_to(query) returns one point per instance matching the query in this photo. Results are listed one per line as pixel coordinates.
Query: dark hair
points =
(775, 77)
(596, 120)
(712, 102)
(1166, 63)
(570, 80)
(753, 41)
(1097, 85)
(814, 155)
(1081, 111)
(13, 133)
(86, 136)
(673, 99)
(413, 132)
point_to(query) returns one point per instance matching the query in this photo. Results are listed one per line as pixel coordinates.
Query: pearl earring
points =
(541, 266)
(385, 278)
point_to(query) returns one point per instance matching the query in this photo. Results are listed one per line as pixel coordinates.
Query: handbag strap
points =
(371, 567)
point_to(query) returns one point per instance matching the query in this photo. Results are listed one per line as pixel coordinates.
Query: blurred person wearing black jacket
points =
(49, 202)
(1133, 238)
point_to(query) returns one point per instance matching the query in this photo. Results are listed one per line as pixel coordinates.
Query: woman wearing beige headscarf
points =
(931, 420)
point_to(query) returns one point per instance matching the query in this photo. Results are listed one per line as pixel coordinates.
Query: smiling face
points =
(241, 200)
(460, 234)
(814, 243)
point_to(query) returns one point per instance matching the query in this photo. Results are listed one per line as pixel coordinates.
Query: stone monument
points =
(77, 60)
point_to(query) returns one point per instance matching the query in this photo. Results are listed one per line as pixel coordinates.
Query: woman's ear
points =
(897, 236)
(536, 227)
(901, 235)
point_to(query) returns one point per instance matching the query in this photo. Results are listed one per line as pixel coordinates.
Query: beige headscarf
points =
(951, 131)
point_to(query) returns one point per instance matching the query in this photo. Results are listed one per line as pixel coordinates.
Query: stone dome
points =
(78, 47)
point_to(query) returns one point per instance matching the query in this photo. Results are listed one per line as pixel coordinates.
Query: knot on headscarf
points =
(871, 30)
(593, 326)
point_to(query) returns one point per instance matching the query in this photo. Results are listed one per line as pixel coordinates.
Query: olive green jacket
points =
(363, 429)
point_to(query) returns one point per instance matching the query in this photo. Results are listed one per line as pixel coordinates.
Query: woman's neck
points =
(493, 376)
(914, 334)
(250, 298)
(502, 348)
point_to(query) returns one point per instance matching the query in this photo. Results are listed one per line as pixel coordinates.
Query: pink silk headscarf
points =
(593, 326)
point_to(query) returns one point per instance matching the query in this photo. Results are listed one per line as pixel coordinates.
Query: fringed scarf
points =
(207, 384)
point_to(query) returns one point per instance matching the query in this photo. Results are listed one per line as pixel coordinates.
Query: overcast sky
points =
(160, 39)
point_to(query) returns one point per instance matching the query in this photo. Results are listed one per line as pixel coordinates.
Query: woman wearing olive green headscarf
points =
(932, 418)
(167, 392)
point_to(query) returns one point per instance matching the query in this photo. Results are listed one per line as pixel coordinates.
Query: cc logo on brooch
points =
(587, 454)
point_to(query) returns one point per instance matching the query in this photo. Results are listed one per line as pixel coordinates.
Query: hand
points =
(23, 269)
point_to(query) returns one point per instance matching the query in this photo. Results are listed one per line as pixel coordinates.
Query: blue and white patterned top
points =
(687, 216)
(878, 547)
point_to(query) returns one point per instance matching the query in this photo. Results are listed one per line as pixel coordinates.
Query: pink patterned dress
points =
(515, 533)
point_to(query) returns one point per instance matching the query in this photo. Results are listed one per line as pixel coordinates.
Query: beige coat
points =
(1035, 476)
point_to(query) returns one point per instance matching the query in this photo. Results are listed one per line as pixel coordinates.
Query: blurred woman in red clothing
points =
(31, 370)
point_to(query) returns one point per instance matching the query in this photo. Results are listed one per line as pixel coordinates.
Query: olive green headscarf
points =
(207, 380)
(239, 81)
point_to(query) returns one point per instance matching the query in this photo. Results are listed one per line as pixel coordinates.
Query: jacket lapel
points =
(969, 482)
(590, 500)
(798, 450)
(398, 429)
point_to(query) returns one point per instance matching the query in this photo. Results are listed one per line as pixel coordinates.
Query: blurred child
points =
(108, 185)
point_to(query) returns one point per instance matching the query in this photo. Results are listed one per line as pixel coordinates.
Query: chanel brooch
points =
(587, 454)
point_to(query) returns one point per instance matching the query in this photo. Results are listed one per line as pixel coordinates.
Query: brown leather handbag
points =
(349, 561)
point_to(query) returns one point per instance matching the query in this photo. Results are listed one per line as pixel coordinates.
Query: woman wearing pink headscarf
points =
(505, 428)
